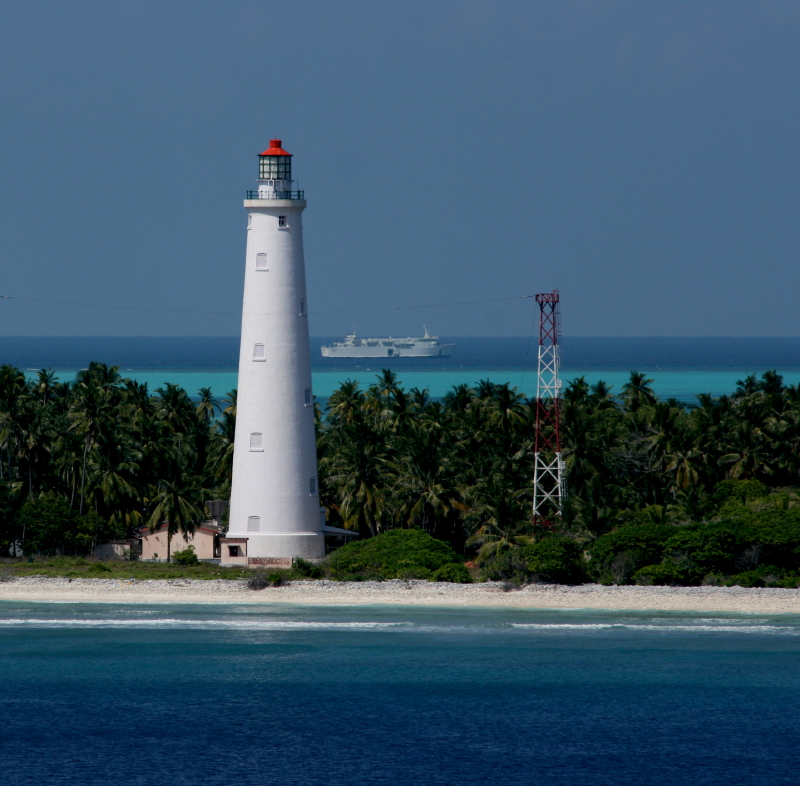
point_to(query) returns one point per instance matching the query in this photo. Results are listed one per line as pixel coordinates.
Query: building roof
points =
(208, 527)
(274, 149)
(347, 533)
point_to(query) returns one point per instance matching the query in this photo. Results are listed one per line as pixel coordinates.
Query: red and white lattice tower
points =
(548, 471)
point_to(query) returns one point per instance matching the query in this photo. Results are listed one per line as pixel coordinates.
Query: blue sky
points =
(642, 157)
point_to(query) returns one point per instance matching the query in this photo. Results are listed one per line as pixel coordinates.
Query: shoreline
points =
(403, 593)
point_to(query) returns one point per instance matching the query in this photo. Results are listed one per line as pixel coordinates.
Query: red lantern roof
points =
(274, 149)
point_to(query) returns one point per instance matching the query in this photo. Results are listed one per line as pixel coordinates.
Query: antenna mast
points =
(548, 470)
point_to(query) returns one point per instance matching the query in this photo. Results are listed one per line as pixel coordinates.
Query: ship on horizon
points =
(351, 346)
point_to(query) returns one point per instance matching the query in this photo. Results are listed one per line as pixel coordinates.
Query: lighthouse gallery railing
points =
(277, 195)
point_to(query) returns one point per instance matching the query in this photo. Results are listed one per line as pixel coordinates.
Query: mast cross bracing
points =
(548, 471)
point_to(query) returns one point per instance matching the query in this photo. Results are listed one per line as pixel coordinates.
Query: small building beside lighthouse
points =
(275, 512)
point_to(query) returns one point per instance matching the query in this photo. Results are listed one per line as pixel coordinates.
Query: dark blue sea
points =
(148, 695)
(680, 368)
(221, 353)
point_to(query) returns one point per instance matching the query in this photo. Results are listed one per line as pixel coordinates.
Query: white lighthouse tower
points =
(275, 511)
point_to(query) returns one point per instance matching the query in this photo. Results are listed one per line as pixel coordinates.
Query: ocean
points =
(680, 367)
(146, 695)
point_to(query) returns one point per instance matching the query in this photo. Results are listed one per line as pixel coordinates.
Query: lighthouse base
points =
(271, 548)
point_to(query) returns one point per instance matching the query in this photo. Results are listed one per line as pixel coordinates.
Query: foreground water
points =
(301, 696)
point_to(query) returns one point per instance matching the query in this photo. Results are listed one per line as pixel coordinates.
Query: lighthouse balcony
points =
(276, 194)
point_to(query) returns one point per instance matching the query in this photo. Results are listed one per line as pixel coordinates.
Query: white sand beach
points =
(403, 593)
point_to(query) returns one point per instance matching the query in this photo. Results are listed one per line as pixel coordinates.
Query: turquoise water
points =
(683, 385)
(147, 695)
(680, 368)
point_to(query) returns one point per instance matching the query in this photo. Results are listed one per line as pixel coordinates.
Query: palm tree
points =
(220, 454)
(426, 472)
(178, 504)
(385, 388)
(504, 409)
(601, 396)
(45, 386)
(419, 398)
(345, 405)
(636, 392)
(91, 412)
(498, 518)
(176, 411)
(230, 399)
(13, 391)
(357, 471)
(747, 386)
(459, 398)
(746, 453)
(207, 406)
(115, 468)
(68, 462)
(576, 392)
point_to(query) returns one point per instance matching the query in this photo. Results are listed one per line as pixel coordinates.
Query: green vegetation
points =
(556, 560)
(262, 579)
(658, 492)
(397, 554)
(85, 462)
(754, 542)
(87, 568)
(303, 569)
(185, 557)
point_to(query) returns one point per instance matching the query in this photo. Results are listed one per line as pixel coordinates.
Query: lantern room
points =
(275, 163)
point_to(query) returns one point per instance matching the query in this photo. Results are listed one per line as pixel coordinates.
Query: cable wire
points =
(239, 313)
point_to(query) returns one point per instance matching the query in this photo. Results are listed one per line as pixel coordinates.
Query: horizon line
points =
(443, 335)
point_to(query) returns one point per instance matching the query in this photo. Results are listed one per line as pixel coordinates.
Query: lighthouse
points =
(275, 512)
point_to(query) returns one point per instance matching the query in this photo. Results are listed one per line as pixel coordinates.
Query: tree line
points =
(91, 460)
(112, 456)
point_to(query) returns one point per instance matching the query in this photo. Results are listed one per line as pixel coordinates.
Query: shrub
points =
(714, 547)
(670, 572)
(453, 573)
(48, 523)
(741, 491)
(753, 549)
(617, 555)
(185, 557)
(98, 567)
(399, 553)
(261, 580)
(778, 533)
(303, 569)
(554, 560)
(763, 576)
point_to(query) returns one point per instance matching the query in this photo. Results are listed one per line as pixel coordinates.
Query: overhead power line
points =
(238, 313)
